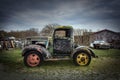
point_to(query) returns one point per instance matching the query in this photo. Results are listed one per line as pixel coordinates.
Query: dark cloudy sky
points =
(83, 14)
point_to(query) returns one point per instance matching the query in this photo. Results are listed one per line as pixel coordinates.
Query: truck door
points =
(62, 42)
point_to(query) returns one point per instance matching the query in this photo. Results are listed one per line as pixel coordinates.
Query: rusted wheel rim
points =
(82, 59)
(33, 59)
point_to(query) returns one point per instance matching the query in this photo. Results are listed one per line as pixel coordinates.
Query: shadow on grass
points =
(58, 63)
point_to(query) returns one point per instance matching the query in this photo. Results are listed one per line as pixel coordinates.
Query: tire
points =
(33, 59)
(81, 58)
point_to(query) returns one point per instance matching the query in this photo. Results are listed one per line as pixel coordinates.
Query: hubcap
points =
(33, 60)
(82, 59)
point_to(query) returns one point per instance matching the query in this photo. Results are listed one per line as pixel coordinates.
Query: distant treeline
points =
(46, 31)
(19, 34)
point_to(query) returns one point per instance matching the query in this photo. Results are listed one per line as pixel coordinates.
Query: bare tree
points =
(48, 29)
(82, 36)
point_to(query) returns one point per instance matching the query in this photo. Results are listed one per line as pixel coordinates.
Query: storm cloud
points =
(90, 14)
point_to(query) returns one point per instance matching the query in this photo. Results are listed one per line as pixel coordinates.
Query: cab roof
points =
(64, 27)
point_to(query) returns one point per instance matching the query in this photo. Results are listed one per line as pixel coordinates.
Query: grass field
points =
(106, 67)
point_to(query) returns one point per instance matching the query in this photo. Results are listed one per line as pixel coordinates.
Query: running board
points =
(57, 59)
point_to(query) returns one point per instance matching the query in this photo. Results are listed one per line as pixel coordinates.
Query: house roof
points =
(106, 31)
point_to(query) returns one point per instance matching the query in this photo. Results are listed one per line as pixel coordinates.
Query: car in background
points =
(100, 44)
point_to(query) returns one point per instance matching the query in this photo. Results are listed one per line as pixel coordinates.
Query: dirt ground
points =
(102, 68)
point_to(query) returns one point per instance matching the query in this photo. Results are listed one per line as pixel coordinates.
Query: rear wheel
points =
(33, 59)
(82, 58)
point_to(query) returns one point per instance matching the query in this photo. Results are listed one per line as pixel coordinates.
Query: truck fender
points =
(87, 49)
(43, 51)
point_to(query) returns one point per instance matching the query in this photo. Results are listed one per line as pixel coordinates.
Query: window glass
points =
(60, 34)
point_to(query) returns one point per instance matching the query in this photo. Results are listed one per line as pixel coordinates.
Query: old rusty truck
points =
(60, 46)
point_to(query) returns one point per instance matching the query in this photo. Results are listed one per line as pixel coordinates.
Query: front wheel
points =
(33, 59)
(81, 58)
